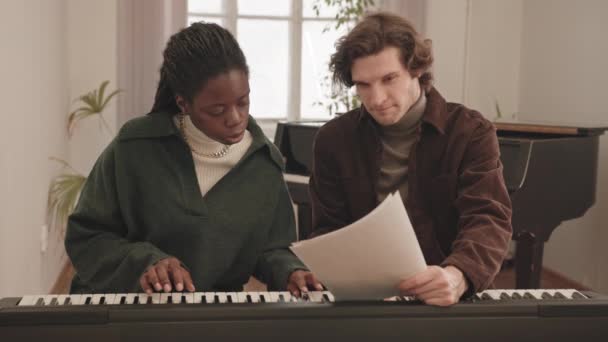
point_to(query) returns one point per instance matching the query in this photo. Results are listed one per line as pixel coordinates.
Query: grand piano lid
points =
(546, 127)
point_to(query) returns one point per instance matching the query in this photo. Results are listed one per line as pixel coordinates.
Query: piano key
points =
(546, 295)
(188, 298)
(264, 297)
(176, 297)
(244, 297)
(96, 300)
(328, 296)
(577, 295)
(200, 297)
(231, 297)
(516, 295)
(144, 298)
(164, 297)
(120, 299)
(130, 298)
(558, 295)
(220, 297)
(49, 299)
(27, 300)
(255, 297)
(316, 296)
(109, 298)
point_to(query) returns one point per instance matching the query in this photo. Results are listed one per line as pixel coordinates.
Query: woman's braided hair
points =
(193, 56)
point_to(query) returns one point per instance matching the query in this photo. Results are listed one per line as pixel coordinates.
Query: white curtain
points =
(144, 26)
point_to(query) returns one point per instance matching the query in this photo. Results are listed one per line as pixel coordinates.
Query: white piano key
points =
(130, 298)
(255, 297)
(329, 295)
(189, 297)
(221, 297)
(83, 299)
(176, 297)
(96, 299)
(316, 296)
(119, 298)
(156, 298)
(27, 300)
(200, 297)
(164, 297)
(231, 297)
(242, 297)
(49, 298)
(61, 299)
(142, 298)
(108, 298)
(73, 299)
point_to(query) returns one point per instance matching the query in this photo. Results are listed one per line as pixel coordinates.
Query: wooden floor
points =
(549, 279)
(504, 280)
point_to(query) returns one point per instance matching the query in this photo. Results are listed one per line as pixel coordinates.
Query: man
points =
(442, 157)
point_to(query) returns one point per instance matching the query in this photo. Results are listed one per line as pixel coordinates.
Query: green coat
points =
(142, 203)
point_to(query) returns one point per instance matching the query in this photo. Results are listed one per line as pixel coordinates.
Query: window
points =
(286, 49)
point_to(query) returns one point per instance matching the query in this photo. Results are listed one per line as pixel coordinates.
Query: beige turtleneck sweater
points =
(210, 170)
(397, 140)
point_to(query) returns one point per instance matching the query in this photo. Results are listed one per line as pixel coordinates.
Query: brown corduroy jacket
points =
(457, 200)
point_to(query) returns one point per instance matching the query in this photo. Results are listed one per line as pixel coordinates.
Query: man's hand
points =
(435, 285)
(165, 275)
(301, 281)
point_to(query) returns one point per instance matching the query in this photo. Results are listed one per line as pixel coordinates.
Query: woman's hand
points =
(166, 275)
(301, 281)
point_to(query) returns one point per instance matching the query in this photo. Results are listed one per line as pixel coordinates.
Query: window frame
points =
(296, 20)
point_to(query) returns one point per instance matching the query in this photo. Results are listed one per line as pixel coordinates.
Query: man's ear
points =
(182, 104)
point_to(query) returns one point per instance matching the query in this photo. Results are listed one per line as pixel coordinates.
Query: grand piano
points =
(550, 172)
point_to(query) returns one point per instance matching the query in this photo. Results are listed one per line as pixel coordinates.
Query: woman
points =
(191, 196)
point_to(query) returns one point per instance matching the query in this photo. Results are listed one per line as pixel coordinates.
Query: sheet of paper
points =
(366, 259)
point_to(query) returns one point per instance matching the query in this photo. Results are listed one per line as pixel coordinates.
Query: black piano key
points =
(305, 297)
(123, 299)
(169, 299)
(559, 295)
(135, 300)
(184, 299)
(54, 301)
(326, 298)
(516, 295)
(87, 301)
(546, 295)
(67, 301)
(262, 298)
(578, 295)
(486, 296)
(102, 300)
(40, 302)
(229, 298)
(281, 298)
(249, 300)
(149, 300)
(505, 296)
(203, 299)
(528, 295)
(216, 299)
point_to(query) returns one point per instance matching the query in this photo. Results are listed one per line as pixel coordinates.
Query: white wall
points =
(53, 51)
(563, 78)
(35, 99)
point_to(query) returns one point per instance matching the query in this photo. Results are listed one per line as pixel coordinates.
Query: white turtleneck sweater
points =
(210, 170)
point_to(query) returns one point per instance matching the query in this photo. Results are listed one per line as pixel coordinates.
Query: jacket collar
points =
(160, 124)
(434, 113)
